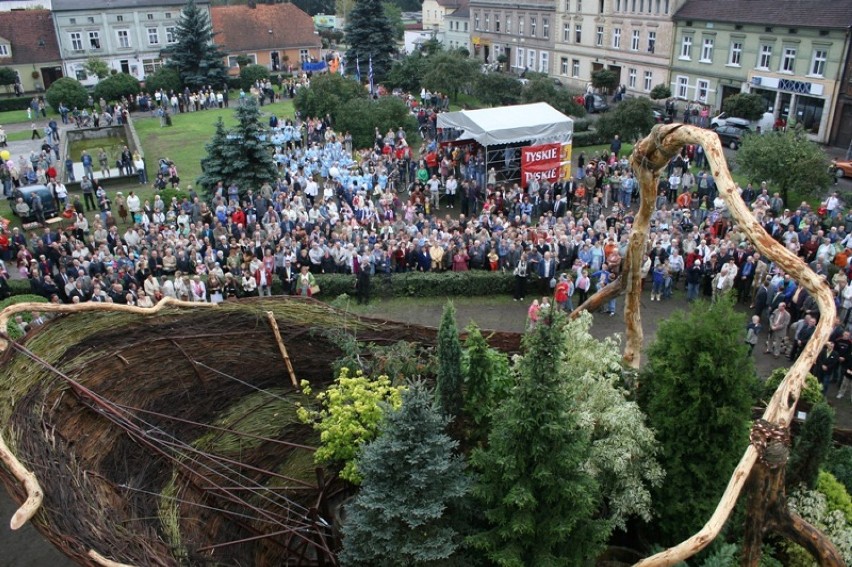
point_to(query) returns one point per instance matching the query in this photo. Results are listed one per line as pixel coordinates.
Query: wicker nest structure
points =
(172, 439)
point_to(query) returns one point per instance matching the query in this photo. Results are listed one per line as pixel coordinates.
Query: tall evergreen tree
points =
(449, 390)
(241, 156)
(486, 377)
(403, 514)
(369, 34)
(541, 504)
(697, 390)
(811, 447)
(198, 60)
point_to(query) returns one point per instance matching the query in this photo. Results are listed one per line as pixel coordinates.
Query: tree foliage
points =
(604, 79)
(497, 89)
(198, 60)
(811, 447)
(244, 157)
(449, 72)
(813, 507)
(369, 34)
(116, 86)
(540, 502)
(486, 377)
(411, 481)
(786, 160)
(632, 119)
(8, 76)
(697, 389)
(67, 90)
(449, 378)
(661, 91)
(351, 413)
(97, 67)
(165, 78)
(745, 105)
(839, 463)
(394, 15)
(407, 73)
(327, 94)
(360, 117)
(250, 74)
(542, 89)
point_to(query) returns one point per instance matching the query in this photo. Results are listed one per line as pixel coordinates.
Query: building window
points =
(764, 58)
(487, 22)
(616, 38)
(649, 78)
(508, 24)
(652, 41)
(575, 67)
(123, 38)
(544, 62)
(76, 41)
(634, 41)
(95, 40)
(151, 65)
(566, 33)
(788, 62)
(601, 7)
(682, 86)
(72, 21)
(80, 73)
(578, 33)
(666, 7)
(599, 36)
(497, 23)
(520, 25)
(686, 47)
(532, 26)
(519, 58)
(304, 56)
(631, 78)
(531, 60)
(168, 15)
(707, 50)
(170, 35)
(702, 88)
(150, 16)
(476, 21)
(465, 27)
(4, 50)
(617, 5)
(119, 18)
(579, 5)
(563, 66)
(545, 28)
(736, 55)
(91, 19)
(818, 62)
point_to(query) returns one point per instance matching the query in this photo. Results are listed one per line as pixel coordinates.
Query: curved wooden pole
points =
(7, 313)
(101, 560)
(34, 493)
(653, 153)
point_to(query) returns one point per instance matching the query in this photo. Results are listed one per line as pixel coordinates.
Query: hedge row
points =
(408, 284)
(587, 138)
(16, 103)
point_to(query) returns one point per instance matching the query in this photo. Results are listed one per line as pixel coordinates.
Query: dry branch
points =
(34, 493)
(101, 560)
(282, 347)
(651, 155)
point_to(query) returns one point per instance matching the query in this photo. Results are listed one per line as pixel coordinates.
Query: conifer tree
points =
(214, 166)
(486, 377)
(811, 447)
(403, 514)
(449, 379)
(541, 505)
(369, 34)
(198, 60)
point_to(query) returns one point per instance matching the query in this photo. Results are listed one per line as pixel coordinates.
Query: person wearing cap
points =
(694, 276)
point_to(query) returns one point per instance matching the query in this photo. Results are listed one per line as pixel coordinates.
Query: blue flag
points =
(370, 73)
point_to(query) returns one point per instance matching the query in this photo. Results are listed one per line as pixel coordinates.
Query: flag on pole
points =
(370, 73)
(357, 69)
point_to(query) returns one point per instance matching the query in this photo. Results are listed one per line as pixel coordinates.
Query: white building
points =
(456, 29)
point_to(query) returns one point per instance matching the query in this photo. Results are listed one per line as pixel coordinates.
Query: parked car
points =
(599, 104)
(724, 120)
(731, 136)
(47, 202)
(842, 168)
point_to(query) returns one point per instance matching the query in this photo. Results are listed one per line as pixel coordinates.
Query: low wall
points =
(125, 132)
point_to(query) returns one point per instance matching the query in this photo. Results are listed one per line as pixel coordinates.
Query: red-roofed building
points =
(272, 35)
(28, 45)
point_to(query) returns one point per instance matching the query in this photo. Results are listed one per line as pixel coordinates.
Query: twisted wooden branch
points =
(650, 156)
(34, 493)
(101, 560)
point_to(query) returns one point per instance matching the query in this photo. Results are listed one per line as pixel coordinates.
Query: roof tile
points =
(31, 35)
(836, 14)
(241, 28)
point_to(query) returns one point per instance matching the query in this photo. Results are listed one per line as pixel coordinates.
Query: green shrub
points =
(166, 78)
(116, 86)
(67, 90)
(16, 103)
(362, 116)
(836, 495)
(251, 74)
(13, 330)
(420, 284)
(587, 138)
(582, 125)
(839, 463)
(811, 393)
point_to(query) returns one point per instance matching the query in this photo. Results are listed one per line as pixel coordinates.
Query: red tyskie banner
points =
(543, 162)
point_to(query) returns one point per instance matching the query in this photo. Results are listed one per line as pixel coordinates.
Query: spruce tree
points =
(449, 390)
(697, 389)
(369, 34)
(214, 166)
(403, 514)
(541, 504)
(811, 447)
(486, 377)
(198, 60)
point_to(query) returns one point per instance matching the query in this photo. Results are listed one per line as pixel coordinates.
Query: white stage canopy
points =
(537, 123)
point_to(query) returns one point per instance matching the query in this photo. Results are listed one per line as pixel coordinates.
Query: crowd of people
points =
(386, 209)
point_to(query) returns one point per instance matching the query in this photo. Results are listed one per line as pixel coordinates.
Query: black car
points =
(731, 136)
(47, 202)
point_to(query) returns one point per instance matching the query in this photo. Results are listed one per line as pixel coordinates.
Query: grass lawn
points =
(184, 141)
(20, 116)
